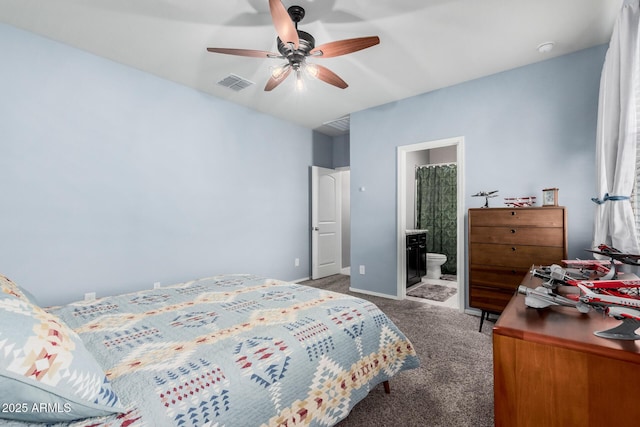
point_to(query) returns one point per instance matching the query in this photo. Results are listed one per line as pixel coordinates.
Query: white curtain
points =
(617, 134)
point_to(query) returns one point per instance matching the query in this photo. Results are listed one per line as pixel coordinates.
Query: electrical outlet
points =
(362, 269)
(89, 296)
(156, 285)
(297, 262)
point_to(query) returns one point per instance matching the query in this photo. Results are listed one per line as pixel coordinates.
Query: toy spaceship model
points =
(487, 195)
(600, 289)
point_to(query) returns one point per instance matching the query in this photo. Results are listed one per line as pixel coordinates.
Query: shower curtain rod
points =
(435, 164)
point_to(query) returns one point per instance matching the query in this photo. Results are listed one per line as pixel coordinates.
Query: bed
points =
(231, 350)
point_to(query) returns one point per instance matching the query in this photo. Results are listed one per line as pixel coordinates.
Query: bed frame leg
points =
(387, 387)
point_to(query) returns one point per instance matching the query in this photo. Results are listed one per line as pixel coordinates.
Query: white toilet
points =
(434, 261)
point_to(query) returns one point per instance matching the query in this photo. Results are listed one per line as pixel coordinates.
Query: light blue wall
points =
(322, 150)
(525, 129)
(341, 151)
(112, 179)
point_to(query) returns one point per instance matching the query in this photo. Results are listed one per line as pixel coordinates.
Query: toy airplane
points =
(594, 268)
(487, 195)
(542, 297)
(615, 255)
(520, 202)
(553, 275)
(618, 299)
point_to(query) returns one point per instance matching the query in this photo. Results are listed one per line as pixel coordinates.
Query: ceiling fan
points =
(295, 46)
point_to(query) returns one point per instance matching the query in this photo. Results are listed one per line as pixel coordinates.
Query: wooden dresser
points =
(550, 369)
(504, 243)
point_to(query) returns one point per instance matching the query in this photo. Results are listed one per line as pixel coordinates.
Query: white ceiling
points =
(425, 44)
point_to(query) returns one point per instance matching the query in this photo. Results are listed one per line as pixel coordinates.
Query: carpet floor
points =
(454, 384)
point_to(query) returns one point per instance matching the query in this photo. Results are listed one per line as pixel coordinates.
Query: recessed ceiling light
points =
(545, 47)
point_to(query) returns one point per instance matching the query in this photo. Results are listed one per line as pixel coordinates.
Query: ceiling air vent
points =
(234, 82)
(341, 124)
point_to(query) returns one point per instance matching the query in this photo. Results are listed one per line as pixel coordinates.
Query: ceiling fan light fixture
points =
(299, 81)
(312, 70)
(295, 46)
(278, 72)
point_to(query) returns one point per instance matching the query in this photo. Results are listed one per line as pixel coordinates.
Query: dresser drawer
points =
(533, 217)
(489, 299)
(504, 278)
(515, 256)
(532, 236)
(491, 288)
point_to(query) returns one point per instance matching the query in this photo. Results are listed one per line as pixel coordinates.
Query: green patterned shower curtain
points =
(437, 210)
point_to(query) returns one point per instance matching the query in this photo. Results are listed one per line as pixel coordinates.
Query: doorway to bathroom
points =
(441, 162)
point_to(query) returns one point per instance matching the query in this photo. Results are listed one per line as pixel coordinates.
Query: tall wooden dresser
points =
(504, 243)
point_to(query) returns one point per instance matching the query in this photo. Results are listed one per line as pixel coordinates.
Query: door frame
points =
(345, 224)
(401, 219)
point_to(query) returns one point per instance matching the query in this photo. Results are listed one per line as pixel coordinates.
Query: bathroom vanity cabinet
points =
(416, 257)
(504, 243)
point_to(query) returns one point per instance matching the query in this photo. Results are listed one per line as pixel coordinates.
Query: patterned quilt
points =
(238, 350)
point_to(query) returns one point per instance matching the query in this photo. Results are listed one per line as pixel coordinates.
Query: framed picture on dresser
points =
(550, 197)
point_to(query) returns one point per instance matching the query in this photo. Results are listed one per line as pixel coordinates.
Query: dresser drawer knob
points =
(513, 249)
(513, 231)
(513, 213)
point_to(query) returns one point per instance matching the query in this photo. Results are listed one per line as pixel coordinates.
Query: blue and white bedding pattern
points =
(237, 350)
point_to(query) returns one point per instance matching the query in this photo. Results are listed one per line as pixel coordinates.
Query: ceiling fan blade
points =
(274, 82)
(282, 22)
(328, 76)
(342, 47)
(244, 52)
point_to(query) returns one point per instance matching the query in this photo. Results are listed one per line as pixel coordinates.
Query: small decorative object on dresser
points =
(550, 197)
(487, 195)
(520, 202)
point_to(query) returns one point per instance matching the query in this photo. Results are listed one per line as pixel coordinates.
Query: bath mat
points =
(432, 292)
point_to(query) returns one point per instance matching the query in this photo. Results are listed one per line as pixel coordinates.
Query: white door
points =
(326, 241)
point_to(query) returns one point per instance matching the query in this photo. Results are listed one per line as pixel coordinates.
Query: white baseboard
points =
(299, 280)
(346, 270)
(375, 294)
(473, 311)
